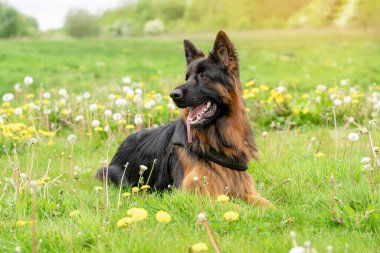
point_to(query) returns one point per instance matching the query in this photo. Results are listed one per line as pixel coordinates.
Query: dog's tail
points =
(114, 175)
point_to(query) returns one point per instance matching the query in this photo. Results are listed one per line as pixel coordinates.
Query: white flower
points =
(297, 249)
(321, 87)
(353, 136)
(365, 160)
(201, 217)
(7, 97)
(17, 87)
(347, 100)
(93, 107)
(264, 134)
(158, 97)
(71, 138)
(32, 141)
(121, 102)
(281, 89)
(116, 116)
(111, 97)
(138, 91)
(171, 106)
(366, 167)
(63, 101)
(28, 80)
(344, 82)
(138, 119)
(107, 113)
(107, 128)
(62, 92)
(86, 95)
(318, 99)
(149, 104)
(47, 111)
(18, 111)
(46, 95)
(126, 80)
(337, 102)
(95, 123)
(79, 98)
(351, 119)
(79, 118)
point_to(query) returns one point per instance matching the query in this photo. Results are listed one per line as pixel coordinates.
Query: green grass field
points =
(294, 170)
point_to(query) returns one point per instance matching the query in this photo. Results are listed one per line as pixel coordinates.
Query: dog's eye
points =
(203, 75)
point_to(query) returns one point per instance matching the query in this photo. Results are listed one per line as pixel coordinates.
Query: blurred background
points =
(83, 44)
(124, 18)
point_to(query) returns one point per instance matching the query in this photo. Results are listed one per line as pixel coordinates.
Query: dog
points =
(212, 141)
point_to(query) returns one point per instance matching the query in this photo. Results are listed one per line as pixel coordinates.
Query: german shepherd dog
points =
(212, 140)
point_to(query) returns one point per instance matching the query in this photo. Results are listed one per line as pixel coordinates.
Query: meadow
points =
(312, 97)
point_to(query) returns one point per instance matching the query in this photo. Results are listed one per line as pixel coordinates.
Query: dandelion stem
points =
(121, 185)
(34, 226)
(336, 134)
(151, 171)
(332, 182)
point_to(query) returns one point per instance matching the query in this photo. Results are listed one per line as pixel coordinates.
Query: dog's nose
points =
(176, 94)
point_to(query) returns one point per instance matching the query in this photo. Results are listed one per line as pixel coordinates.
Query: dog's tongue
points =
(194, 112)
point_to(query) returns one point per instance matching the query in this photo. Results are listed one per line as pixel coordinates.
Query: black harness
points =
(211, 154)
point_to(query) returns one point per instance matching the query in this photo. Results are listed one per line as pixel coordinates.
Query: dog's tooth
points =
(208, 104)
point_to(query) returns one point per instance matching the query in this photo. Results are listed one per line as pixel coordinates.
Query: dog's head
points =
(212, 82)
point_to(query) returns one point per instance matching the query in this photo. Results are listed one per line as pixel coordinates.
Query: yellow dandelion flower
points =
(231, 216)
(98, 189)
(319, 154)
(250, 83)
(305, 96)
(50, 143)
(145, 187)
(124, 222)
(98, 129)
(163, 217)
(138, 214)
(305, 110)
(126, 194)
(198, 247)
(222, 198)
(74, 213)
(264, 87)
(296, 111)
(135, 189)
(20, 223)
(130, 127)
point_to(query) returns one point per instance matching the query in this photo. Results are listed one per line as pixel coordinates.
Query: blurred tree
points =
(13, 23)
(79, 23)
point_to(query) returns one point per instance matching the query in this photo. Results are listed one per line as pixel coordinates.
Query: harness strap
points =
(211, 155)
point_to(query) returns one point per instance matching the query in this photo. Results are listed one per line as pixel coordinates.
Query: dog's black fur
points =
(143, 148)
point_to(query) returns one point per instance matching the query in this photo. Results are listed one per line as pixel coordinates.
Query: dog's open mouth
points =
(199, 116)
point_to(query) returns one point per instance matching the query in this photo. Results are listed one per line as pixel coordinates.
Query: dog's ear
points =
(191, 52)
(224, 52)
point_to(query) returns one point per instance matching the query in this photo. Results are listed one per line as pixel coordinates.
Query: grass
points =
(288, 172)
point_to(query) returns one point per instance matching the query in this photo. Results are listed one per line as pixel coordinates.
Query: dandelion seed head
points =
(86, 95)
(365, 160)
(93, 107)
(71, 138)
(79, 118)
(7, 97)
(116, 116)
(297, 249)
(353, 137)
(201, 217)
(62, 92)
(95, 123)
(28, 80)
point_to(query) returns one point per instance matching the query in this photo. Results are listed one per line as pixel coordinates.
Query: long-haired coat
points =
(212, 140)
